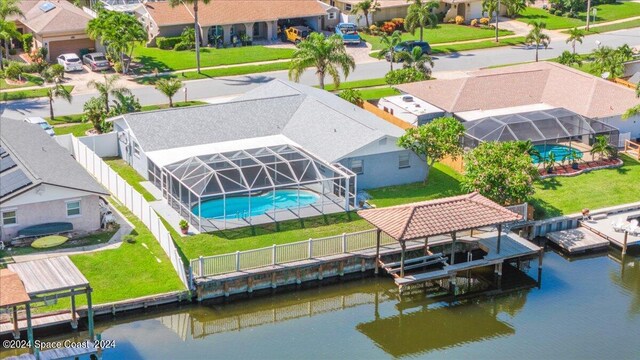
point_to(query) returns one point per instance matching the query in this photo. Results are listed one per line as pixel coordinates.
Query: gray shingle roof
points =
(319, 121)
(42, 159)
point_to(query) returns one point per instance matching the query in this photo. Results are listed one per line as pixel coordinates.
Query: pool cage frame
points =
(541, 127)
(249, 172)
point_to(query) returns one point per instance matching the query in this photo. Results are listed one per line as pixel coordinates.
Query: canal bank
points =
(586, 308)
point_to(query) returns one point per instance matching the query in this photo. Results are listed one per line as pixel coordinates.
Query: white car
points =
(42, 123)
(71, 62)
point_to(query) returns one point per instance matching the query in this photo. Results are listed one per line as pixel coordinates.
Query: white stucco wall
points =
(631, 125)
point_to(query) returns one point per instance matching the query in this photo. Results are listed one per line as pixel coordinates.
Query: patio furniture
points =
(618, 225)
(633, 228)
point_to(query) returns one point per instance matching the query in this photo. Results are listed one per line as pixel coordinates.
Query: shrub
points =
(27, 42)
(13, 71)
(459, 20)
(402, 76)
(117, 67)
(559, 12)
(374, 29)
(129, 238)
(181, 47)
(56, 71)
(399, 23)
(167, 43)
(12, 51)
(484, 21)
(188, 37)
(352, 95)
(388, 27)
(474, 22)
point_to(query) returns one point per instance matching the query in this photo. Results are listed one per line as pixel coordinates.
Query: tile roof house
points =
(259, 19)
(276, 113)
(41, 183)
(534, 86)
(57, 25)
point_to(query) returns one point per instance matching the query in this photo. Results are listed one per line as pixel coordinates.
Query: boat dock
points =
(38, 322)
(597, 233)
(61, 353)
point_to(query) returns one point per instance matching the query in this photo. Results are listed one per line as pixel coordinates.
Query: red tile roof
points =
(437, 217)
(12, 291)
(228, 12)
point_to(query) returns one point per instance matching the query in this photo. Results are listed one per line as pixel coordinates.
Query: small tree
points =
(610, 61)
(13, 71)
(421, 15)
(575, 35)
(353, 96)
(124, 104)
(55, 91)
(389, 43)
(537, 37)
(94, 113)
(56, 71)
(434, 141)
(169, 87)
(602, 148)
(327, 55)
(568, 58)
(364, 8)
(416, 59)
(501, 171)
(108, 87)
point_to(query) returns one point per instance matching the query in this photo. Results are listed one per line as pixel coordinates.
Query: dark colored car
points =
(409, 45)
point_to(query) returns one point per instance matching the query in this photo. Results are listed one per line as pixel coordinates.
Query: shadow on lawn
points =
(147, 64)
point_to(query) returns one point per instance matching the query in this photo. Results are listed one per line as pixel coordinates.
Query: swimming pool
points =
(238, 206)
(559, 151)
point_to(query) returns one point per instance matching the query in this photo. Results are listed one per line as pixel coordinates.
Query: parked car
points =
(295, 34)
(409, 45)
(348, 32)
(96, 61)
(42, 123)
(71, 62)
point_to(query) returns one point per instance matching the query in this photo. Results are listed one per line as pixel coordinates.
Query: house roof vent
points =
(407, 98)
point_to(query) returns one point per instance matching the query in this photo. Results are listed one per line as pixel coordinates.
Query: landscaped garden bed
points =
(568, 170)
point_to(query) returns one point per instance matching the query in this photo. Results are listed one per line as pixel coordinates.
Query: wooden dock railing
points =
(632, 149)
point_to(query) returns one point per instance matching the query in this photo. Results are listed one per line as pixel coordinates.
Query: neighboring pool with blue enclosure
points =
(559, 151)
(238, 207)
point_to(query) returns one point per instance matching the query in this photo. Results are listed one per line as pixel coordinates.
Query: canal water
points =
(587, 308)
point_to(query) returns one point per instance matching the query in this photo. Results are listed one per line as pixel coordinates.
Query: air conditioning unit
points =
(407, 98)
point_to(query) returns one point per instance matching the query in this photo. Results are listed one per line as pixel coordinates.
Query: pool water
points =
(239, 207)
(559, 151)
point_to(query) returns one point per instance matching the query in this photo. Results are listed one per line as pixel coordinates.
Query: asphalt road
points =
(209, 88)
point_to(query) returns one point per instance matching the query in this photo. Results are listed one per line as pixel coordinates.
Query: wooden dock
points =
(577, 240)
(58, 354)
(511, 246)
(38, 322)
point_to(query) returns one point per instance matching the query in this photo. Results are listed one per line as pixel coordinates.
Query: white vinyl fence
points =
(297, 251)
(132, 199)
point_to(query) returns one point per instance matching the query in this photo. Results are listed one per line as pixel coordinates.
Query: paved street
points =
(209, 88)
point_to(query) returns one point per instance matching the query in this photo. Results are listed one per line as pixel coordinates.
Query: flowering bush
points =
(459, 20)
(484, 21)
(388, 27)
(474, 22)
(399, 23)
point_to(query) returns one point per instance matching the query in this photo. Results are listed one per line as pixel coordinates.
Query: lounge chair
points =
(618, 225)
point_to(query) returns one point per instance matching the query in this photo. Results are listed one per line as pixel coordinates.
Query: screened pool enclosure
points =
(553, 126)
(254, 186)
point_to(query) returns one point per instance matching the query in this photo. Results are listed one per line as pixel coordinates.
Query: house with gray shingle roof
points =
(41, 183)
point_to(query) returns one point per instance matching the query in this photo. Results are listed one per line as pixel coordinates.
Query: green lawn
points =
(612, 27)
(605, 12)
(153, 58)
(130, 175)
(377, 93)
(443, 33)
(76, 130)
(446, 49)
(27, 94)
(212, 73)
(356, 84)
(32, 80)
(602, 188)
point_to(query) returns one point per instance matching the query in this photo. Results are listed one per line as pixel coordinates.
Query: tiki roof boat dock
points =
(456, 217)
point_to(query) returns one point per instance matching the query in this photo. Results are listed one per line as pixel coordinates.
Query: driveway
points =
(80, 79)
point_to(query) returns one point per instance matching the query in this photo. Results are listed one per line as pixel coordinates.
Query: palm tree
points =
(420, 15)
(416, 59)
(196, 26)
(568, 58)
(575, 35)
(56, 91)
(94, 113)
(108, 87)
(169, 87)
(537, 37)
(389, 44)
(366, 7)
(8, 8)
(602, 147)
(607, 60)
(327, 55)
(588, 14)
(8, 31)
(489, 7)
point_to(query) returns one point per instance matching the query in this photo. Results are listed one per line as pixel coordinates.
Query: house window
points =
(357, 166)
(73, 208)
(136, 149)
(331, 16)
(9, 218)
(347, 7)
(332, 3)
(403, 161)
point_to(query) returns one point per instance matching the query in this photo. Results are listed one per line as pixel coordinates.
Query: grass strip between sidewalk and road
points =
(611, 27)
(27, 94)
(219, 72)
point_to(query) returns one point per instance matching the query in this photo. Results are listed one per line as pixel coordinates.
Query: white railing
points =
(132, 199)
(286, 253)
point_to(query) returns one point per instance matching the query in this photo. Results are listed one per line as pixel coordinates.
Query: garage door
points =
(57, 48)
